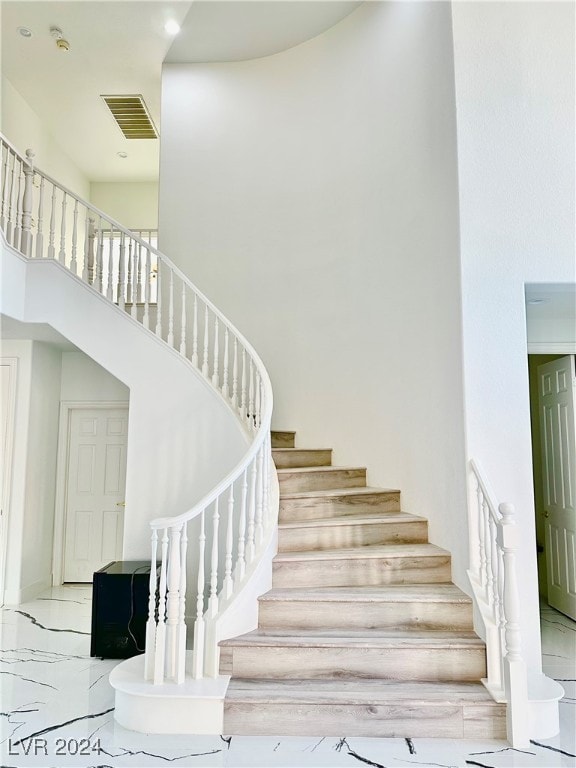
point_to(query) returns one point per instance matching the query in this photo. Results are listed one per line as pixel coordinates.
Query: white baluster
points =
(235, 375)
(146, 266)
(129, 278)
(134, 258)
(39, 233)
(195, 333)
(4, 211)
(489, 573)
(241, 558)
(110, 282)
(251, 395)
(173, 602)
(74, 262)
(181, 660)
(151, 623)
(100, 259)
(27, 200)
(257, 398)
(183, 322)
(17, 232)
(516, 684)
(259, 531)
(158, 298)
(52, 230)
(206, 343)
(243, 412)
(216, 356)
(228, 585)
(225, 389)
(213, 600)
(121, 284)
(199, 626)
(139, 294)
(62, 251)
(170, 337)
(250, 543)
(10, 198)
(160, 654)
(267, 459)
(481, 548)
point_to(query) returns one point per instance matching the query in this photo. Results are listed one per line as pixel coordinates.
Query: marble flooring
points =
(56, 701)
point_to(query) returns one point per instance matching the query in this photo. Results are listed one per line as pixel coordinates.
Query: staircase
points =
(363, 634)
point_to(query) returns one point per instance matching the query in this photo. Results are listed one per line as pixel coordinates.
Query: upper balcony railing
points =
(43, 220)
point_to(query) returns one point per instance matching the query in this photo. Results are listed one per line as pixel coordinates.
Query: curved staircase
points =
(363, 633)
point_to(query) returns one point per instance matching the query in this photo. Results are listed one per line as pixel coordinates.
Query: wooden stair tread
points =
(320, 494)
(356, 638)
(433, 593)
(356, 691)
(381, 551)
(320, 468)
(367, 518)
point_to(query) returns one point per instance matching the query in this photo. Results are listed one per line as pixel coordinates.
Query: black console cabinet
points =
(120, 609)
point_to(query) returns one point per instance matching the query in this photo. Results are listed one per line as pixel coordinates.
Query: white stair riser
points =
(357, 572)
(302, 458)
(321, 480)
(320, 508)
(395, 662)
(410, 720)
(282, 439)
(286, 614)
(352, 535)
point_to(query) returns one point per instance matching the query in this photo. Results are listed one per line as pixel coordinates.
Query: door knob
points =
(120, 503)
(546, 513)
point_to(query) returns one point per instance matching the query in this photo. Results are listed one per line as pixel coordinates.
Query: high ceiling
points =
(119, 48)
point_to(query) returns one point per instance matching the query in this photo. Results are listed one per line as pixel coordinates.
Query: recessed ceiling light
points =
(172, 27)
(123, 155)
(24, 31)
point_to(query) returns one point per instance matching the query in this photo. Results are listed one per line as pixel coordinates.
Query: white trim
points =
(66, 408)
(28, 593)
(12, 364)
(552, 347)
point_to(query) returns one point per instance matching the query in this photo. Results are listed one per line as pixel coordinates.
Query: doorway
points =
(549, 496)
(89, 521)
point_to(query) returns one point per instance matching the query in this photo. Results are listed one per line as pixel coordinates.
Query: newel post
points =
(515, 680)
(27, 197)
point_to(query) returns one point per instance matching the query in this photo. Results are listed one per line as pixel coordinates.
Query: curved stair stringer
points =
(182, 437)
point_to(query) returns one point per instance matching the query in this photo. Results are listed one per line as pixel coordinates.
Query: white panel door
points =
(556, 388)
(8, 369)
(95, 487)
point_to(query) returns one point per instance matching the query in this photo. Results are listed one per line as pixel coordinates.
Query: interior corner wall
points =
(132, 204)
(33, 488)
(514, 66)
(312, 195)
(24, 129)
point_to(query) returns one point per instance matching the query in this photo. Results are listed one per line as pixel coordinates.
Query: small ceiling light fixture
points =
(61, 44)
(172, 27)
(24, 31)
(123, 155)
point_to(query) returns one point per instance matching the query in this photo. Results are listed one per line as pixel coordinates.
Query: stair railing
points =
(493, 575)
(235, 521)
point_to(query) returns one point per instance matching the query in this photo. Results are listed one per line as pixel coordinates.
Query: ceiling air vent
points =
(132, 116)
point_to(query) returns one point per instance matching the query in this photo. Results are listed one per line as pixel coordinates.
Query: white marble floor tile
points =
(53, 696)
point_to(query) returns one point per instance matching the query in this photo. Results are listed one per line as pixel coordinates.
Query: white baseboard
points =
(24, 595)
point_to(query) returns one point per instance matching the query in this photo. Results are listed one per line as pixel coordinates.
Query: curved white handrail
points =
(43, 219)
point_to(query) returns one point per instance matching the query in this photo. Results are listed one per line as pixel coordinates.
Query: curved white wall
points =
(313, 196)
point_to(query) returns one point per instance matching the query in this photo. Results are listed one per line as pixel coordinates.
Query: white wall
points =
(514, 67)
(24, 129)
(132, 204)
(313, 196)
(84, 379)
(31, 514)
